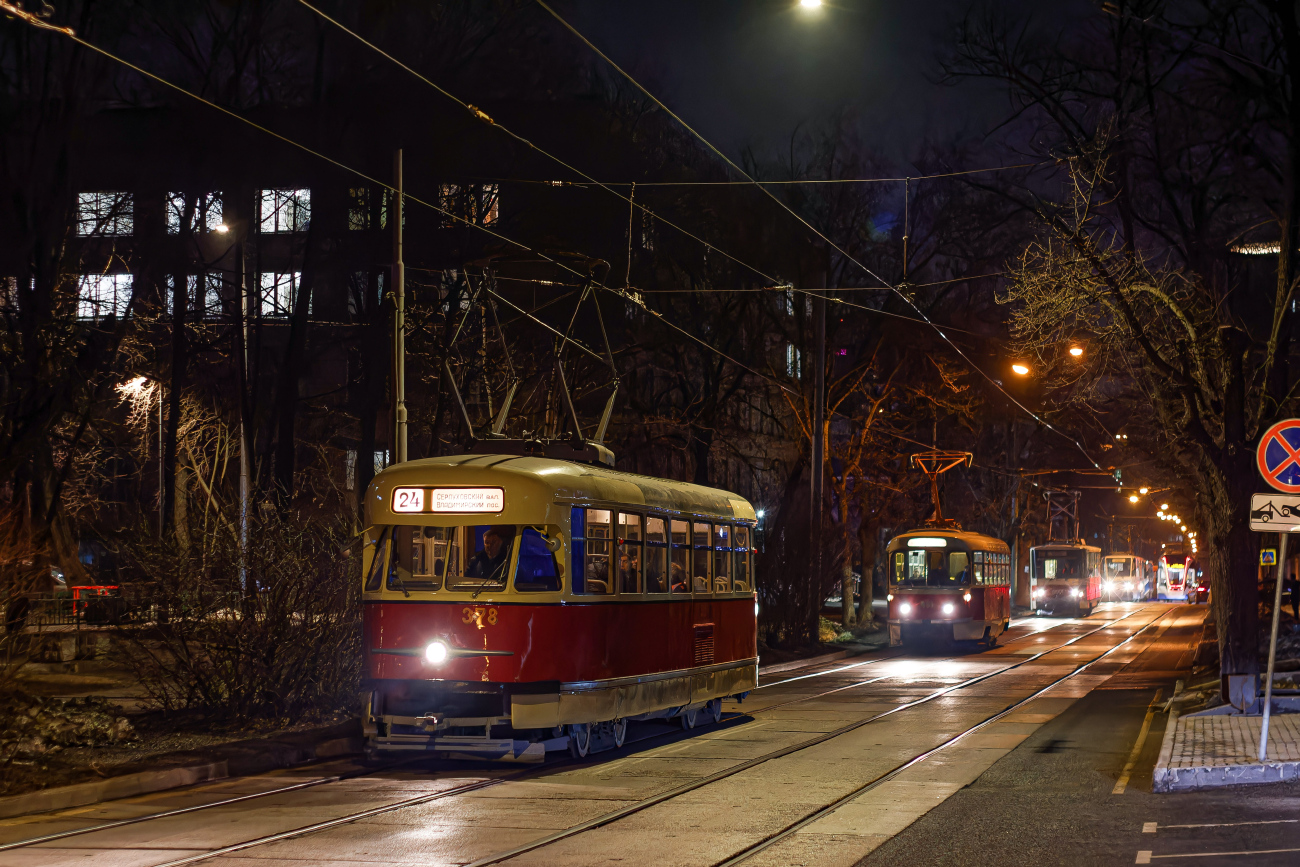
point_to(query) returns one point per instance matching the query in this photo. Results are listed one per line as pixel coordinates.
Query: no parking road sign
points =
(1278, 456)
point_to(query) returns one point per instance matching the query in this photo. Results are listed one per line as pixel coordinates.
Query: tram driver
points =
(490, 563)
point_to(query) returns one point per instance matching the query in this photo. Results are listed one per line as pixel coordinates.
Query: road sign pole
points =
(1272, 647)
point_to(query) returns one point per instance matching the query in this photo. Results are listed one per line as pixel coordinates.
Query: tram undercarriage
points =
(522, 722)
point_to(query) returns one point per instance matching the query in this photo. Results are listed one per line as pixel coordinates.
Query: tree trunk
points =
(702, 444)
(180, 362)
(867, 545)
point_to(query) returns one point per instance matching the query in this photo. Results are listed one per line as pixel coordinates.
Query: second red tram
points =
(516, 605)
(1065, 577)
(947, 584)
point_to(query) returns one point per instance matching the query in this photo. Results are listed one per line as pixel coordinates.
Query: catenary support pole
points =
(399, 318)
(817, 460)
(1272, 647)
(245, 456)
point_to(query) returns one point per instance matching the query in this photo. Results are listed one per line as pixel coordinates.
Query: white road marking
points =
(1144, 857)
(1235, 824)
(1214, 854)
(1150, 827)
(1122, 783)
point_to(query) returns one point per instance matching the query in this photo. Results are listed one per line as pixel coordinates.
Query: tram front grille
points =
(704, 644)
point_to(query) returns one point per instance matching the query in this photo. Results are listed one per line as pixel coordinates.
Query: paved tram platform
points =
(1201, 752)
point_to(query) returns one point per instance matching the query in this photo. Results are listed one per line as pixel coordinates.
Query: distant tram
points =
(515, 605)
(1127, 577)
(1064, 577)
(1172, 577)
(948, 585)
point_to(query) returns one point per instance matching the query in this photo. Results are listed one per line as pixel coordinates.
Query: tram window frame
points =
(632, 548)
(679, 555)
(741, 580)
(701, 555)
(977, 566)
(375, 574)
(583, 543)
(655, 555)
(722, 557)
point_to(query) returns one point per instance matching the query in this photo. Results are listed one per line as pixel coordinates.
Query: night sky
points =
(749, 72)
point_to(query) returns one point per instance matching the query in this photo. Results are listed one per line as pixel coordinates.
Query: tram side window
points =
(679, 566)
(592, 538)
(703, 546)
(629, 553)
(721, 558)
(537, 570)
(656, 556)
(740, 560)
(977, 565)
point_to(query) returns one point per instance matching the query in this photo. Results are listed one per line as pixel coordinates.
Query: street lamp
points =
(810, 4)
(1164, 507)
(1020, 369)
(1132, 498)
(1142, 491)
(1076, 351)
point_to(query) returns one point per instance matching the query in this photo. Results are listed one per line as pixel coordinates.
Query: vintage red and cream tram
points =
(948, 585)
(1064, 577)
(515, 605)
(1127, 577)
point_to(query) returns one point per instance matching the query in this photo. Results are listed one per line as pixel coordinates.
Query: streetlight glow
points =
(1132, 498)
(1164, 507)
(222, 229)
(1076, 351)
(810, 4)
(1020, 368)
(1142, 490)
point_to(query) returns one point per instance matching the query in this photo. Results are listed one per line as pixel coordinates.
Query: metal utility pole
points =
(1272, 647)
(818, 460)
(399, 318)
(245, 482)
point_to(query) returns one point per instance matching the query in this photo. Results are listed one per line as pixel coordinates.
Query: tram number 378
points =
(477, 616)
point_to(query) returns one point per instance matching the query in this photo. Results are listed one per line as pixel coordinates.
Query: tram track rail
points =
(614, 815)
(419, 800)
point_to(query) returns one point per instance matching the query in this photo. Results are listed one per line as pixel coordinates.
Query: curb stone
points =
(242, 758)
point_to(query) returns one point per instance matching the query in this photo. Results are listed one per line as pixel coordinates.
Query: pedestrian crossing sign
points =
(1268, 557)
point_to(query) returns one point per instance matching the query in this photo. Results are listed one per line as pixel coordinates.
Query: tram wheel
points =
(688, 718)
(619, 728)
(714, 708)
(580, 740)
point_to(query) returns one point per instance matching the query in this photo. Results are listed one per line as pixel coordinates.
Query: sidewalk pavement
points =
(1203, 752)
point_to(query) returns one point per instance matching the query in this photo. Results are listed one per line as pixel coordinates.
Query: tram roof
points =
(970, 539)
(560, 480)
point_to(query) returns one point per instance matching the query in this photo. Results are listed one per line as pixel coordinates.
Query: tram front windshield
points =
(1059, 565)
(468, 558)
(1119, 567)
(928, 567)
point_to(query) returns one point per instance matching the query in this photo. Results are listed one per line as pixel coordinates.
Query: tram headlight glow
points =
(889, 598)
(436, 653)
(966, 596)
(1108, 586)
(1074, 591)
(904, 608)
(948, 608)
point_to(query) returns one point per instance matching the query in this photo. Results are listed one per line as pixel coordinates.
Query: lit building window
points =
(205, 212)
(488, 198)
(279, 291)
(350, 470)
(105, 213)
(9, 293)
(284, 210)
(202, 295)
(647, 231)
(100, 296)
(793, 361)
(381, 460)
(363, 298)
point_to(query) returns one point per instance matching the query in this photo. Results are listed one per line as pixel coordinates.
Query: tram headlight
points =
(1128, 585)
(889, 598)
(904, 608)
(948, 608)
(966, 596)
(1108, 586)
(1074, 591)
(436, 653)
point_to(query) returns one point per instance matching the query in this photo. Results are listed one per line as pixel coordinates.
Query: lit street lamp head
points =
(1132, 498)
(1020, 369)
(810, 4)
(1076, 351)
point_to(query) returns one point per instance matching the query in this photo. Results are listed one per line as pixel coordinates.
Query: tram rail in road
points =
(366, 772)
(651, 801)
(606, 819)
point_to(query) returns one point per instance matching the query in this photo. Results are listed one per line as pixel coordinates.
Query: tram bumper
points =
(922, 631)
